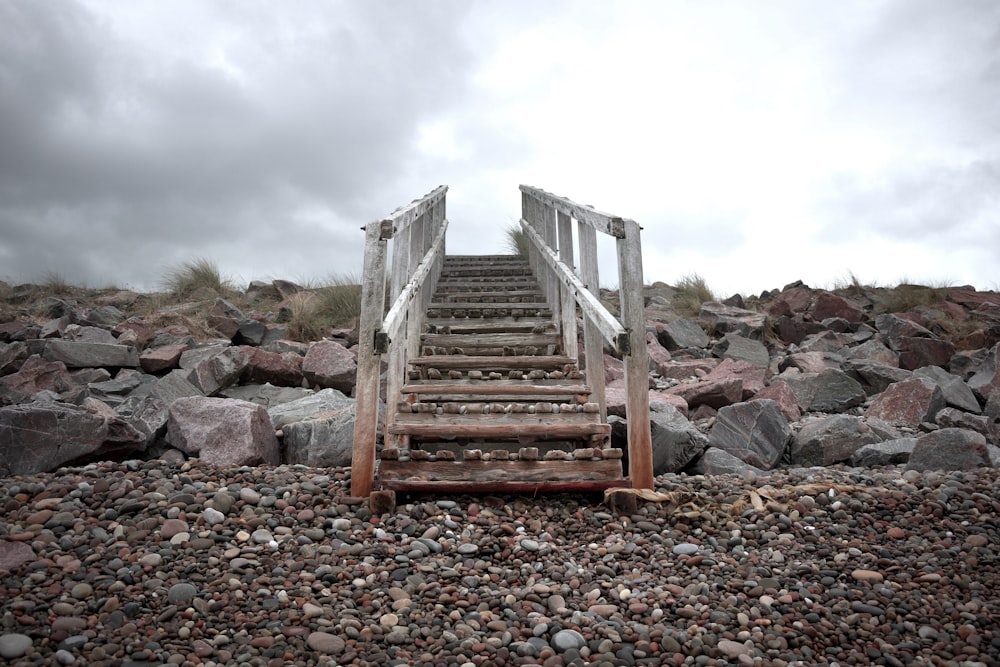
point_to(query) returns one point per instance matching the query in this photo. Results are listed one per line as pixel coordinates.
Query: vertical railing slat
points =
(567, 307)
(593, 345)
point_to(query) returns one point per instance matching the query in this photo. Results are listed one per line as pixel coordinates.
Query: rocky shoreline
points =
(149, 562)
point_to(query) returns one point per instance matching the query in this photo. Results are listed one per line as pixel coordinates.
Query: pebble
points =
(150, 563)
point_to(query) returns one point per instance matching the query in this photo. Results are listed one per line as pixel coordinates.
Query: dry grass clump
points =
(314, 312)
(195, 277)
(691, 292)
(516, 241)
(907, 296)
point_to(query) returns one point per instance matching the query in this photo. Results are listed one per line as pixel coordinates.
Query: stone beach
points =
(153, 563)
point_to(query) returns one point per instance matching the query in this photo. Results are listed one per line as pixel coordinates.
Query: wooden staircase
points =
(491, 403)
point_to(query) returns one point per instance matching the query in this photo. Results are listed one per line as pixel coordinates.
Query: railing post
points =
(640, 451)
(567, 307)
(366, 393)
(593, 346)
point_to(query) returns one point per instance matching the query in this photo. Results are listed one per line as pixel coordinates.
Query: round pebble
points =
(14, 645)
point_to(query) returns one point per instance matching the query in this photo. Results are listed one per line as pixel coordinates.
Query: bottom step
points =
(478, 472)
(516, 487)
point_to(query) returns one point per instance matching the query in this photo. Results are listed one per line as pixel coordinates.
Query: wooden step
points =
(498, 296)
(481, 311)
(520, 426)
(533, 324)
(470, 362)
(496, 471)
(451, 287)
(490, 340)
(507, 303)
(496, 390)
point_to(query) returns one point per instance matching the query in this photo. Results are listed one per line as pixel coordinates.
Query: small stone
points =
(82, 591)
(261, 536)
(324, 642)
(866, 575)
(181, 593)
(14, 645)
(564, 640)
(212, 516)
(685, 548)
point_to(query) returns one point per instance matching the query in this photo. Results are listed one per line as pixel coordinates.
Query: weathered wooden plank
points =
(481, 471)
(593, 349)
(599, 220)
(491, 339)
(493, 324)
(404, 216)
(395, 317)
(467, 362)
(567, 309)
(417, 425)
(495, 387)
(496, 305)
(519, 488)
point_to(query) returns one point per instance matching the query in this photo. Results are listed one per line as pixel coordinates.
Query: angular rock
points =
(326, 442)
(266, 394)
(829, 305)
(278, 369)
(40, 437)
(740, 348)
(147, 414)
(956, 392)
(917, 352)
(908, 403)
(794, 301)
(750, 375)
(756, 432)
(950, 449)
(779, 392)
(874, 350)
(90, 355)
(722, 319)
(36, 375)
(793, 330)
(313, 406)
(810, 362)
(683, 333)
(88, 334)
(330, 365)
(955, 418)
(124, 384)
(227, 327)
(18, 330)
(826, 341)
(835, 391)
(614, 369)
(873, 376)
(675, 440)
(685, 369)
(992, 413)
(174, 385)
(894, 328)
(12, 356)
(222, 431)
(713, 393)
(163, 358)
(193, 356)
(657, 354)
(616, 398)
(250, 332)
(830, 440)
(258, 290)
(219, 371)
(885, 453)
(985, 377)
(718, 462)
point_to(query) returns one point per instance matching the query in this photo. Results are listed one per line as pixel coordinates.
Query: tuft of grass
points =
(54, 283)
(314, 312)
(907, 296)
(691, 292)
(516, 241)
(852, 286)
(195, 276)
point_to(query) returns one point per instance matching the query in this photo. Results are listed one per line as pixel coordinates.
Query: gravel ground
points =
(143, 563)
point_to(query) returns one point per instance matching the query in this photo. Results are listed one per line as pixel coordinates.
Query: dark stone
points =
(675, 440)
(756, 432)
(950, 449)
(886, 453)
(830, 440)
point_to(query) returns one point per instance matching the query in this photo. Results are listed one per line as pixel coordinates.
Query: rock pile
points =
(796, 377)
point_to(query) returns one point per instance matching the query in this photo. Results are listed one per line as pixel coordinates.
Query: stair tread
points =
(459, 361)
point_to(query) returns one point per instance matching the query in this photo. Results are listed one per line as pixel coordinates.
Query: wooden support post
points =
(640, 449)
(567, 309)
(367, 387)
(593, 347)
(400, 275)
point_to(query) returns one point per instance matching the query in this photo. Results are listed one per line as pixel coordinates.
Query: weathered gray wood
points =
(521, 488)
(602, 222)
(640, 450)
(490, 339)
(367, 385)
(513, 387)
(575, 425)
(404, 216)
(507, 471)
(394, 319)
(593, 349)
(493, 324)
(469, 362)
(567, 309)
(592, 308)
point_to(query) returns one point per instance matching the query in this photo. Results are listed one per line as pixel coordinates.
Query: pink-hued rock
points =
(281, 370)
(157, 359)
(658, 355)
(917, 352)
(807, 362)
(615, 396)
(790, 302)
(223, 432)
(682, 369)
(36, 375)
(950, 449)
(15, 554)
(713, 393)
(218, 371)
(874, 350)
(907, 403)
(779, 392)
(614, 369)
(830, 305)
(330, 364)
(750, 375)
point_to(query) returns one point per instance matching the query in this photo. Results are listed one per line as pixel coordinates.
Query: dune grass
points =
(516, 242)
(196, 276)
(691, 292)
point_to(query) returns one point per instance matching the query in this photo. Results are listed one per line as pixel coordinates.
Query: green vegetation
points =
(516, 241)
(194, 277)
(692, 291)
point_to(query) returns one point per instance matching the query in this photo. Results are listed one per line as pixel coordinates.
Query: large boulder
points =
(36, 374)
(740, 348)
(722, 319)
(956, 392)
(315, 405)
(325, 442)
(90, 355)
(219, 371)
(950, 449)
(908, 403)
(681, 334)
(719, 462)
(885, 453)
(330, 365)
(875, 377)
(755, 432)
(829, 305)
(284, 370)
(830, 440)
(223, 432)
(40, 437)
(829, 391)
(779, 392)
(715, 393)
(675, 440)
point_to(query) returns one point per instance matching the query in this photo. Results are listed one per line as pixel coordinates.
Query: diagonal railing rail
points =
(417, 232)
(547, 221)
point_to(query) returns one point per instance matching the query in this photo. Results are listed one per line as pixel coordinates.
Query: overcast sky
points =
(757, 143)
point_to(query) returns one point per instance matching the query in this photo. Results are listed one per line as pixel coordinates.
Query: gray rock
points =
(830, 440)
(219, 371)
(722, 319)
(683, 333)
(40, 437)
(267, 394)
(675, 440)
(909, 403)
(718, 462)
(88, 334)
(312, 406)
(330, 364)
(326, 442)
(14, 645)
(755, 432)
(874, 350)
(88, 355)
(836, 392)
(181, 593)
(564, 640)
(174, 385)
(955, 418)
(993, 417)
(223, 432)
(874, 376)
(886, 453)
(250, 332)
(950, 449)
(741, 348)
(148, 415)
(193, 356)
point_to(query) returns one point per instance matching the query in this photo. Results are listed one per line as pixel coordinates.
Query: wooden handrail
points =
(418, 234)
(546, 220)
